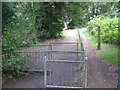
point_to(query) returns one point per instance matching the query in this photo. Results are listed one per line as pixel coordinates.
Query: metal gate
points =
(36, 57)
(62, 68)
(78, 46)
(65, 69)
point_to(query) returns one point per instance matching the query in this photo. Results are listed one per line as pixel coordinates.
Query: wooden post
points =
(99, 46)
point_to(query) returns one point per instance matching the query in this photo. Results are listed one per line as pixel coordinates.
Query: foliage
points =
(48, 20)
(26, 23)
(13, 63)
(108, 9)
(19, 31)
(16, 31)
(109, 28)
(108, 53)
(112, 56)
(75, 12)
(7, 14)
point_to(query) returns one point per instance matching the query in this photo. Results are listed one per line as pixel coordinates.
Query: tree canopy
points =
(27, 23)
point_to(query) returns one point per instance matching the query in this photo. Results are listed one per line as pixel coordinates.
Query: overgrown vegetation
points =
(27, 23)
(13, 64)
(108, 22)
(108, 26)
(108, 52)
(30, 23)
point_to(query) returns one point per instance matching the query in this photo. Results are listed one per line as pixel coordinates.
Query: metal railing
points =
(63, 68)
(78, 46)
(65, 73)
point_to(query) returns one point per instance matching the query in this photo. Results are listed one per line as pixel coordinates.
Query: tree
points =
(18, 26)
(102, 8)
(7, 13)
(75, 12)
(49, 20)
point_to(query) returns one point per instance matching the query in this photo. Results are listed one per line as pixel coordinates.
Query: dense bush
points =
(48, 20)
(17, 31)
(13, 63)
(109, 28)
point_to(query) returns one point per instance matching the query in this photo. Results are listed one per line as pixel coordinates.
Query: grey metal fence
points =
(35, 55)
(36, 48)
(69, 72)
(68, 46)
(36, 60)
(64, 68)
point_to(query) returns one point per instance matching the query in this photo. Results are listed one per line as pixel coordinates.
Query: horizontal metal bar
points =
(57, 52)
(40, 45)
(29, 52)
(34, 70)
(36, 45)
(66, 61)
(65, 52)
(65, 43)
(52, 86)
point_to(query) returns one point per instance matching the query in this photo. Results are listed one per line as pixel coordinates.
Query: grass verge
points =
(108, 53)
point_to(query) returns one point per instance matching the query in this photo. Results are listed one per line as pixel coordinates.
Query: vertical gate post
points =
(86, 71)
(77, 51)
(77, 46)
(51, 51)
(82, 48)
(99, 46)
(45, 71)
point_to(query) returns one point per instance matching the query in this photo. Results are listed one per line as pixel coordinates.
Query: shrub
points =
(109, 28)
(13, 63)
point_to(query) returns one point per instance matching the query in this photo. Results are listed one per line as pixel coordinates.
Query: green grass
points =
(108, 53)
